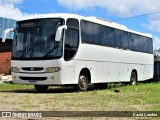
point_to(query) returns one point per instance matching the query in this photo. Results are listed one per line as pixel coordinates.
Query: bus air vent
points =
(32, 68)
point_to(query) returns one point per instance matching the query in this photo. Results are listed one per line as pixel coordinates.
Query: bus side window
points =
(134, 41)
(151, 45)
(121, 39)
(110, 37)
(71, 39)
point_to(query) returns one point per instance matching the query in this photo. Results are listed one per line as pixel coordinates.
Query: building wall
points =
(5, 56)
(5, 48)
(5, 62)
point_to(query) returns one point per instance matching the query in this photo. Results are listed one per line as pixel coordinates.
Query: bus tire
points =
(82, 83)
(41, 88)
(133, 79)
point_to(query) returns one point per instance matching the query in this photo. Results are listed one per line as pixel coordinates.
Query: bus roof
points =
(90, 18)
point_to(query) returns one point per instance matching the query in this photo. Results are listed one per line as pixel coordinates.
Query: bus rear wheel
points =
(41, 88)
(133, 79)
(82, 83)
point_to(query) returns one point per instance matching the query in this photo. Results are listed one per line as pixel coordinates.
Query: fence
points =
(156, 71)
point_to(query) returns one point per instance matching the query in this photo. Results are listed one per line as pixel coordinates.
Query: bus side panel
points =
(99, 72)
(110, 72)
(117, 72)
(90, 65)
(69, 72)
(140, 72)
(104, 72)
(147, 71)
(109, 64)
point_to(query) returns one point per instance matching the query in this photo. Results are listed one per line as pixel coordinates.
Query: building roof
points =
(6, 23)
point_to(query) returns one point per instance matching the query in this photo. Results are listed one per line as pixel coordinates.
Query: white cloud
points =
(10, 1)
(8, 9)
(121, 8)
(154, 24)
(156, 42)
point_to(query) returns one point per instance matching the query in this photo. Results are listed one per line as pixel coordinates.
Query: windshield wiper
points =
(49, 52)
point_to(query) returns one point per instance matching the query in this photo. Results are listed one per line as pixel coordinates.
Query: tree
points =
(156, 53)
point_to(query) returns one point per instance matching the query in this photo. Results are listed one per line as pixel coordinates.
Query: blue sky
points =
(106, 9)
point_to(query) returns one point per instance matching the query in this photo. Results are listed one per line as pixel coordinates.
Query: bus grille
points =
(33, 78)
(32, 68)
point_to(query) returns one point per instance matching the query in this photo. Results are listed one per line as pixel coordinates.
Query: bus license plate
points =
(32, 81)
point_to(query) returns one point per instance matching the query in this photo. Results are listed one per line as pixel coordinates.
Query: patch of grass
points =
(10, 87)
(141, 97)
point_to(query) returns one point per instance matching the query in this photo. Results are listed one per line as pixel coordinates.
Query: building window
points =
(7, 46)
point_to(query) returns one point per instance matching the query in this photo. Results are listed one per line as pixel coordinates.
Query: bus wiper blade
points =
(49, 52)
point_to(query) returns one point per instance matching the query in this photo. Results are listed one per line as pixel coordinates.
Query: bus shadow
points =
(69, 89)
(62, 89)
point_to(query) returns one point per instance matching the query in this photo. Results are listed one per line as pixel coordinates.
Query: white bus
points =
(68, 49)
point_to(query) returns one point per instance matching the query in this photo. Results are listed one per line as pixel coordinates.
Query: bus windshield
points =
(35, 39)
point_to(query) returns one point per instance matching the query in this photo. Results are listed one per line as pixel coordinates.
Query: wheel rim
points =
(83, 82)
(133, 78)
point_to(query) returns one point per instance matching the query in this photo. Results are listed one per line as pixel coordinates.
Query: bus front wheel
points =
(133, 79)
(82, 83)
(41, 88)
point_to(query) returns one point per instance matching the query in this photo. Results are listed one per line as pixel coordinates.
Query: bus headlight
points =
(52, 69)
(15, 69)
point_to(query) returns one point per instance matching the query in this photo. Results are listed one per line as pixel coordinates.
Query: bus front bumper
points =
(37, 79)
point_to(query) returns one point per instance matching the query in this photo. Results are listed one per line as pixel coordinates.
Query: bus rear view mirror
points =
(59, 32)
(5, 34)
